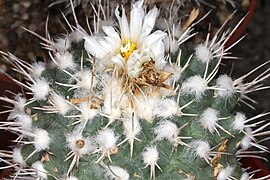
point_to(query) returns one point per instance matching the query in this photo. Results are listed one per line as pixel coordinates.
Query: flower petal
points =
(123, 23)
(158, 53)
(154, 37)
(118, 60)
(110, 31)
(136, 19)
(149, 21)
(93, 46)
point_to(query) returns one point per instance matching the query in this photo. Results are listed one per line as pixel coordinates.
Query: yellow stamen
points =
(128, 49)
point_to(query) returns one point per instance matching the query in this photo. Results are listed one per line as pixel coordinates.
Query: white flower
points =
(135, 45)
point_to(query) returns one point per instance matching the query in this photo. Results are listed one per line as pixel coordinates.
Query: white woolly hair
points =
(74, 137)
(166, 130)
(150, 155)
(225, 83)
(62, 44)
(131, 127)
(245, 176)
(116, 172)
(40, 89)
(71, 178)
(17, 156)
(202, 53)
(194, 85)
(76, 36)
(41, 139)
(246, 141)
(19, 103)
(166, 108)
(171, 44)
(200, 148)
(60, 103)
(115, 99)
(37, 69)
(23, 119)
(87, 113)
(106, 140)
(209, 118)
(65, 60)
(112, 105)
(40, 171)
(239, 121)
(224, 174)
(145, 107)
(176, 70)
(26, 121)
(158, 50)
(85, 78)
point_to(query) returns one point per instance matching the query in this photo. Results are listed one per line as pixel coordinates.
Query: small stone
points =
(25, 16)
(3, 68)
(16, 8)
(26, 4)
(31, 55)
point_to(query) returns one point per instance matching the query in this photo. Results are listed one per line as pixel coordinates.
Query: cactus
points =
(121, 103)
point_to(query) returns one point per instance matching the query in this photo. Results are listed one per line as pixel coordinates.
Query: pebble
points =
(16, 8)
(3, 68)
(26, 4)
(25, 16)
(31, 55)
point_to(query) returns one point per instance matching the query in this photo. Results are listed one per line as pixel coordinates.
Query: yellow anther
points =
(128, 49)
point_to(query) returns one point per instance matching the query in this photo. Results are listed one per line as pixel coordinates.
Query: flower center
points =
(150, 76)
(128, 49)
